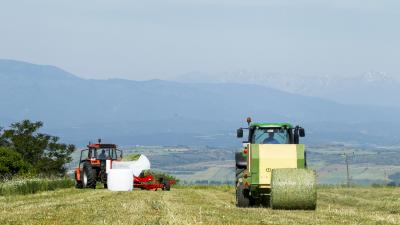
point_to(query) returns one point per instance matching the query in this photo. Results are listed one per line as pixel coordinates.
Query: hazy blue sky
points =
(161, 39)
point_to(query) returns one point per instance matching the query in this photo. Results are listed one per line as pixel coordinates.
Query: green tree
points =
(11, 163)
(41, 151)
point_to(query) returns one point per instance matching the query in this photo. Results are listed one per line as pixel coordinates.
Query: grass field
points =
(195, 206)
(34, 185)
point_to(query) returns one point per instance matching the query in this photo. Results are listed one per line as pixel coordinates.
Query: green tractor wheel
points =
(242, 200)
(88, 176)
(293, 189)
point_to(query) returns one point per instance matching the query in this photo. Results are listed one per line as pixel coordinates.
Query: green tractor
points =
(271, 168)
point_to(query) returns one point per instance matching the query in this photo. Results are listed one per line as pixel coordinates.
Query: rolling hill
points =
(172, 113)
(369, 88)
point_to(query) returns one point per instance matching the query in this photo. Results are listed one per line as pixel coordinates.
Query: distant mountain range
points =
(176, 113)
(370, 88)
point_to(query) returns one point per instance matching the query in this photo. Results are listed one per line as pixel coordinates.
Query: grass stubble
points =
(210, 205)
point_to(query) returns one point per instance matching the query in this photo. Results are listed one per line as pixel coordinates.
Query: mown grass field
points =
(191, 205)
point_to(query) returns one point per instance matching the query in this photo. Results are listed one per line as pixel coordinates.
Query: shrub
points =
(11, 163)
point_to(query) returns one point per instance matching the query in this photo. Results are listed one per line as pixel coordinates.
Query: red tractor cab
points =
(92, 164)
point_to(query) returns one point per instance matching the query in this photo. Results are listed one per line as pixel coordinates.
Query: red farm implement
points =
(150, 183)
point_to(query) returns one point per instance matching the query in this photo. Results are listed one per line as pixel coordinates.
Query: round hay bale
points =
(293, 189)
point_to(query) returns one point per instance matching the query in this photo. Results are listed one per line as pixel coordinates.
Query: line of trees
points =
(24, 151)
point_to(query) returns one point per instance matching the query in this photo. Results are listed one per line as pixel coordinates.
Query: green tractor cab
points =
(271, 168)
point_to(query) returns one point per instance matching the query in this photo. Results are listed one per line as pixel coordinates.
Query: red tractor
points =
(92, 164)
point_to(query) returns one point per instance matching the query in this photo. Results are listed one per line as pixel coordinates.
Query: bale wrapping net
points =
(293, 189)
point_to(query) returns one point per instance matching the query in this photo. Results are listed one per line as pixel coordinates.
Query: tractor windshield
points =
(108, 153)
(270, 136)
(101, 154)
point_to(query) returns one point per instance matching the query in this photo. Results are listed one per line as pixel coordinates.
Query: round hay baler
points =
(271, 169)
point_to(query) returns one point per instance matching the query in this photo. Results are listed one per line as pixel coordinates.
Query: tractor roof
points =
(271, 125)
(99, 146)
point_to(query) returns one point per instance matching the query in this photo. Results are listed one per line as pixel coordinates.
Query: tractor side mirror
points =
(302, 132)
(239, 133)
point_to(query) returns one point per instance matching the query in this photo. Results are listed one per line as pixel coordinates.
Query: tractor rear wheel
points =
(241, 200)
(241, 162)
(88, 176)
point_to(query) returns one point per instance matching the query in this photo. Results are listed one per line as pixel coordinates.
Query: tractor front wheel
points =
(78, 181)
(78, 184)
(88, 176)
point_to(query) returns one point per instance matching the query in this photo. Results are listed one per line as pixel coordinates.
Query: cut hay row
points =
(31, 186)
(293, 189)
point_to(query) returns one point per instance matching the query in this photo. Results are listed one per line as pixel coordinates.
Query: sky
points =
(161, 39)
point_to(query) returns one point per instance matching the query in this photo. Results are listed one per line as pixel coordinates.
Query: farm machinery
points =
(150, 183)
(271, 168)
(93, 163)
